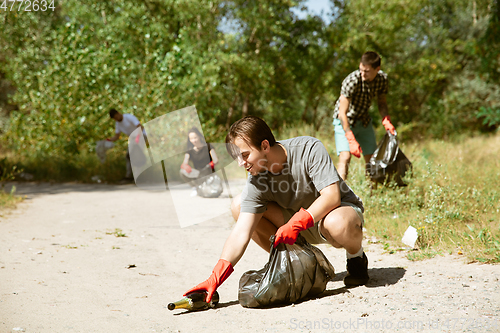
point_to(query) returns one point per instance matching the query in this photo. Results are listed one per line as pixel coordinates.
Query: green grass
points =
(118, 233)
(9, 200)
(452, 198)
(76, 168)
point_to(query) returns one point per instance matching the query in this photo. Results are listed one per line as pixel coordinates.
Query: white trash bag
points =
(102, 147)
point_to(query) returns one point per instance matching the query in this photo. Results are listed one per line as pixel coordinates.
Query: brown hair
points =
(252, 130)
(196, 131)
(371, 58)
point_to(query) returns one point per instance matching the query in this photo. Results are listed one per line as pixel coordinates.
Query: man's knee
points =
(344, 222)
(335, 225)
(236, 206)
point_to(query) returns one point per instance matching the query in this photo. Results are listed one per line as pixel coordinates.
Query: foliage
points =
(69, 66)
(142, 58)
(81, 167)
(491, 117)
(7, 171)
(488, 45)
(426, 46)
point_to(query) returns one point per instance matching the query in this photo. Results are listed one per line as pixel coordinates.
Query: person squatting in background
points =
(203, 158)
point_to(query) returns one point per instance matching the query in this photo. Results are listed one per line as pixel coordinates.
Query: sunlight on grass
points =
(452, 199)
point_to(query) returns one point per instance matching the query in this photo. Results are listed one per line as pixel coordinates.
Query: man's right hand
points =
(354, 146)
(186, 167)
(220, 273)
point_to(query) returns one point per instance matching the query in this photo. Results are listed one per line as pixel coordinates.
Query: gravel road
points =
(109, 258)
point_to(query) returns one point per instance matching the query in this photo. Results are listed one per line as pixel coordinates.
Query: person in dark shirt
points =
(203, 159)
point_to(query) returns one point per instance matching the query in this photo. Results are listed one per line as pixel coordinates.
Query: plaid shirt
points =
(360, 94)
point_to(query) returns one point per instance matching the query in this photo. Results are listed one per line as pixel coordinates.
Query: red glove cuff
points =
(354, 146)
(222, 270)
(350, 136)
(186, 167)
(386, 121)
(220, 273)
(304, 218)
(289, 232)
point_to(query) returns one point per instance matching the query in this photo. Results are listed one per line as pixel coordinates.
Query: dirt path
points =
(63, 269)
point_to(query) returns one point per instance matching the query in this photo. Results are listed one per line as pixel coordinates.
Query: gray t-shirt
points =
(307, 171)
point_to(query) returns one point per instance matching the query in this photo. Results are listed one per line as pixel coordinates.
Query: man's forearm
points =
(383, 110)
(115, 137)
(239, 238)
(382, 105)
(328, 200)
(343, 106)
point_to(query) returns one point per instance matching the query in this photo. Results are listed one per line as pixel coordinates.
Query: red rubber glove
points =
(186, 167)
(388, 125)
(354, 146)
(289, 232)
(212, 165)
(220, 273)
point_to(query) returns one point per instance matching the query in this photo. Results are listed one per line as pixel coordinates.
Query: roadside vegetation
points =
(452, 197)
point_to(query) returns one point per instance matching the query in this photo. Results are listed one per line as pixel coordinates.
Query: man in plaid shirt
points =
(353, 127)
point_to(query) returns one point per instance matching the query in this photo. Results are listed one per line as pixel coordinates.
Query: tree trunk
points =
(474, 14)
(244, 110)
(230, 112)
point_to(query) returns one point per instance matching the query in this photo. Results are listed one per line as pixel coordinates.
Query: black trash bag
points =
(292, 273)
(388, 162)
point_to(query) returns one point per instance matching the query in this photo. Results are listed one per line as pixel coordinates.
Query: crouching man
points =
(293, 188)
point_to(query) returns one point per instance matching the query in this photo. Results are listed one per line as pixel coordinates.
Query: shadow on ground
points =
(36, 188)
(379, 277)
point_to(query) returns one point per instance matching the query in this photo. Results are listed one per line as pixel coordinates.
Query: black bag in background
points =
(211, 187)
(388, 162)
(292, 273)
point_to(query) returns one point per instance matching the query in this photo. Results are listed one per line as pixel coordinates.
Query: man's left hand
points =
(289, 232)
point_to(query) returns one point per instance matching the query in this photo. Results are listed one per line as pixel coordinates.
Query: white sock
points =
(357, 254)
